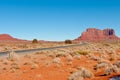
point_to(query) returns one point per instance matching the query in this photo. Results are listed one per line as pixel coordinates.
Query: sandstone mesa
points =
(93, 34)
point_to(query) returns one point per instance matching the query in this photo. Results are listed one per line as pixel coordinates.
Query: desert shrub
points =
(35, 41)
(111, 69)
(57, 60)
(15, 67)
(69, 58)
(12, 56)
(68, 42)
(81, 74)
(101, 65)
(34, 66)
(117, 64)
(5, 63)
(105, 44)
(77, 57)
(96, 58)
(27, 63)
(81, 52)
(39, 53)
(28, 56)
(112, 56)
(4, 68)
(12, 70)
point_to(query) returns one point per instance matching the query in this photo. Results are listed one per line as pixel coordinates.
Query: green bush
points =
(35, 41)
(82, 52)
(68, 42)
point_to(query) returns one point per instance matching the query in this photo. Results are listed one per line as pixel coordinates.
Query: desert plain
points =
(91, 61)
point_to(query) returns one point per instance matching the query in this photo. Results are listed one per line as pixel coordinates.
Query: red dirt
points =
(47, 70)
(51, 71)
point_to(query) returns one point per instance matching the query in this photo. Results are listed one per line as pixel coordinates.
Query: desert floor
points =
(93, 61)
(7, 46)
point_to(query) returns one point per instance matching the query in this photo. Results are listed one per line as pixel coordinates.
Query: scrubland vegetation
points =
(92, 61)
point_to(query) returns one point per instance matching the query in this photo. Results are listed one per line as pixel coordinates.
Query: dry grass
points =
(13, 56)
(101, 65)
(77, 57)
(117, 64)
(81, 74)
(82, 52)
(69, 58)
(57, 60)
(34, 66)
(111, 69)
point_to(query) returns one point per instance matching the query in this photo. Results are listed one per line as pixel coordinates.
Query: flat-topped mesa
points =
(93, 34)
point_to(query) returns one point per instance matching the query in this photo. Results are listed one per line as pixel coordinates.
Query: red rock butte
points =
(7, 37)
(93, 34)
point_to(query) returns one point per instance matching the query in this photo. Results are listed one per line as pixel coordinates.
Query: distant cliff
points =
(93, 34)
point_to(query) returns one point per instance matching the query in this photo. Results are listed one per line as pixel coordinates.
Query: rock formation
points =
(7, 37)
(93, 34)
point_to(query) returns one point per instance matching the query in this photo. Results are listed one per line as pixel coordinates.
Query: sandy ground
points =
(6, 46)
(60, 64)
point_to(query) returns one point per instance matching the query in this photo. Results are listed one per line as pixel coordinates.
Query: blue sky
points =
(57, 19)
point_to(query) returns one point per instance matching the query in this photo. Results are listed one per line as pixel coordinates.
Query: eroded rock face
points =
(93, 34)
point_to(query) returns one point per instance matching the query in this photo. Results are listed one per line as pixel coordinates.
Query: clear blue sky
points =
(57, 19)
